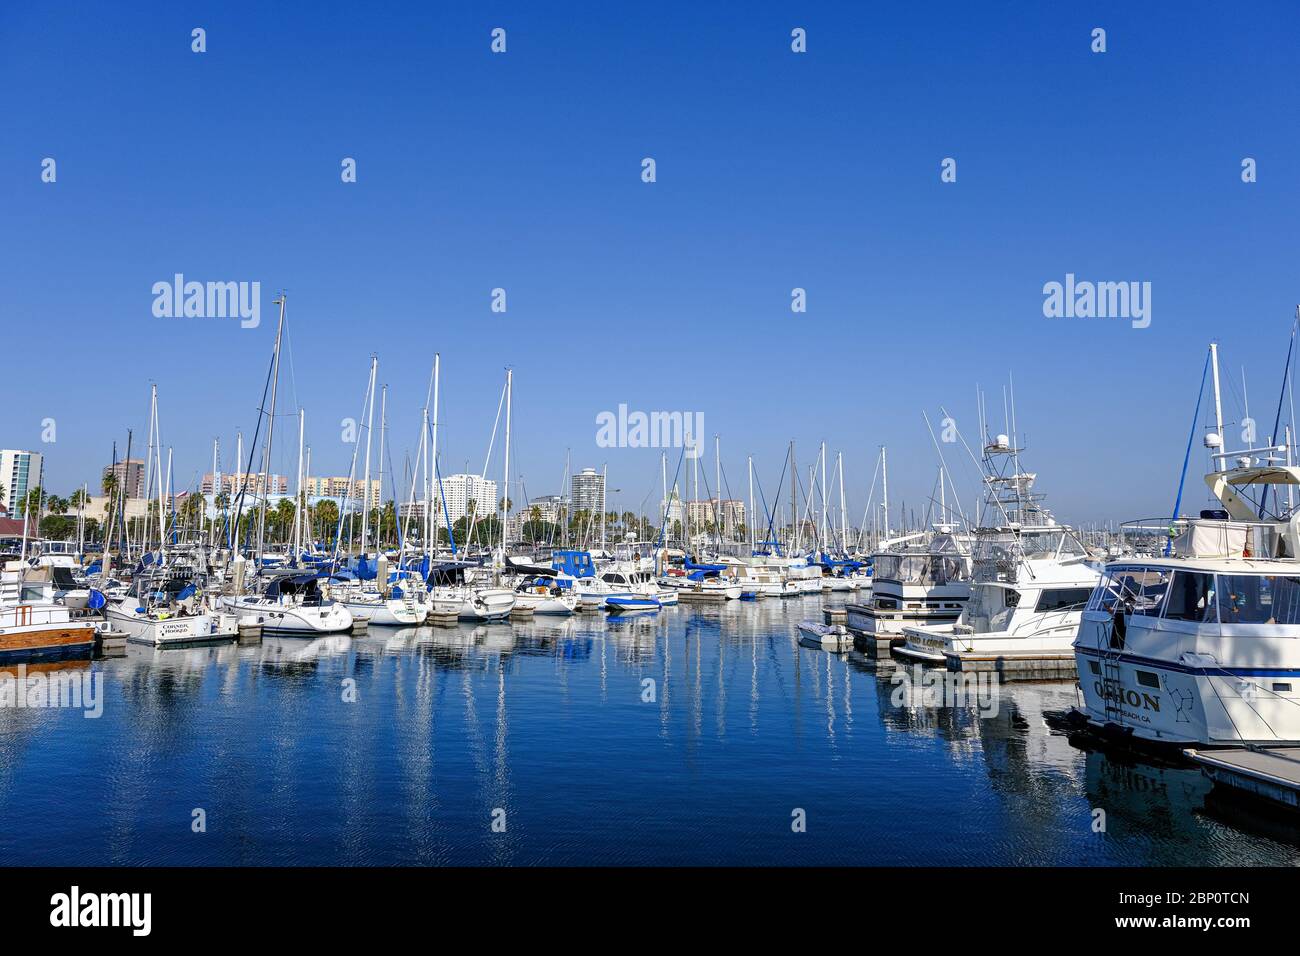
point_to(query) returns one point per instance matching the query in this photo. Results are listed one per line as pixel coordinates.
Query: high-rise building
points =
(253, 483)
(460, 490)
(130, 476)
(589, 491)
(727, 512)
(20, 472)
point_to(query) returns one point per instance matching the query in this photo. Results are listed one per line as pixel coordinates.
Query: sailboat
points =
(285, 600)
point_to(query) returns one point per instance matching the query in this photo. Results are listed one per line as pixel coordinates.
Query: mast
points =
(169, 498)
(1218, 403)
(307, 532)
(270, 427)
(432, 474)
(298, 510)
(422, 462)
(717, 484)
(844, 526)
(148, 467)
(794, 506)
(383, 424)
(505, 497)
(365, 480)
(604, 506)
(752, 549)
(884, 487)
(239, 482)
(823, 456)
(216, 490)
(668, 508)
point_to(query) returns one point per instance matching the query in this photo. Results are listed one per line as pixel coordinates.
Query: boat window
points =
(1281, 687)
(1011, 597)
(1147, 678)
(1094, 667)
(1259, 599)
(1117, 585)
(1150, 585)
(1191, 598)
(1062, 599)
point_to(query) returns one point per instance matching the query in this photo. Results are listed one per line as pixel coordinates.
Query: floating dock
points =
(1271, 773)
(1026, 666)
(701, 597)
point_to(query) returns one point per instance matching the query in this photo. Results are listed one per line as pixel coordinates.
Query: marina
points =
(854, 446)
(546, 720)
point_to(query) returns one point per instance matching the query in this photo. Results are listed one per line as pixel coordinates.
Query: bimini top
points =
(1223, 484)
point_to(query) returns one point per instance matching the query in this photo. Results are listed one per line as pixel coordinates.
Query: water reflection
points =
(683, 736)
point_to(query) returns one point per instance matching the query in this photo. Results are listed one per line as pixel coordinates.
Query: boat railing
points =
(1211, 537)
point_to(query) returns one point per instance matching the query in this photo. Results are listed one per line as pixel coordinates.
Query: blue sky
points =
(775, 170)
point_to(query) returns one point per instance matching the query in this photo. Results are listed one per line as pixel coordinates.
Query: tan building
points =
(130, 476)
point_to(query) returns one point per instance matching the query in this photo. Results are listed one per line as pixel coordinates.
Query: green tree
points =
(57, 527)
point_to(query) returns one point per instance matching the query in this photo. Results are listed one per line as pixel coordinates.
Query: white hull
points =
(1174, 686)
(473, 604)
(397, 612)
(292, 620)
(159, 632)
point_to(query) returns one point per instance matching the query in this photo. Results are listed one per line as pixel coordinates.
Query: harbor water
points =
(703, 734)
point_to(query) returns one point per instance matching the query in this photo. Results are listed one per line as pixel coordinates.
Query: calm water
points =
(546, 722)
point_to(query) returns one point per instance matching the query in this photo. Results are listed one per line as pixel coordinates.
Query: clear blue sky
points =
(775, 170)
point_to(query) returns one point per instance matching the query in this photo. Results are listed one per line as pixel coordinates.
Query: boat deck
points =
(1272, 773)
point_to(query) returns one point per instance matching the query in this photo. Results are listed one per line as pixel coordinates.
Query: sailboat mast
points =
(383, 425)
(505, 494)
(751, 504)
(365, 479)
(299, 509)
(432, 474)
(270, 428)
(824, 529)
(844, 525)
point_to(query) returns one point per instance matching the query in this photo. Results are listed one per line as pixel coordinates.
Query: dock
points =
(701, 597)
(1009, 667)
(835, 615)
(521, 613)
(1270, 773)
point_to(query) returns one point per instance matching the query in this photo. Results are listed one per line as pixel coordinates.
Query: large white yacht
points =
(921, 579)
(1030, 582)
(1201, 644)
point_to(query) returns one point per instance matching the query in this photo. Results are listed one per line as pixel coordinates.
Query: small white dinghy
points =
(831, 637)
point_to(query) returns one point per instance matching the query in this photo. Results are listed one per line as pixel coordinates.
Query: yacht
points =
(1030, 582)
(1201, 644)
(922, 579)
